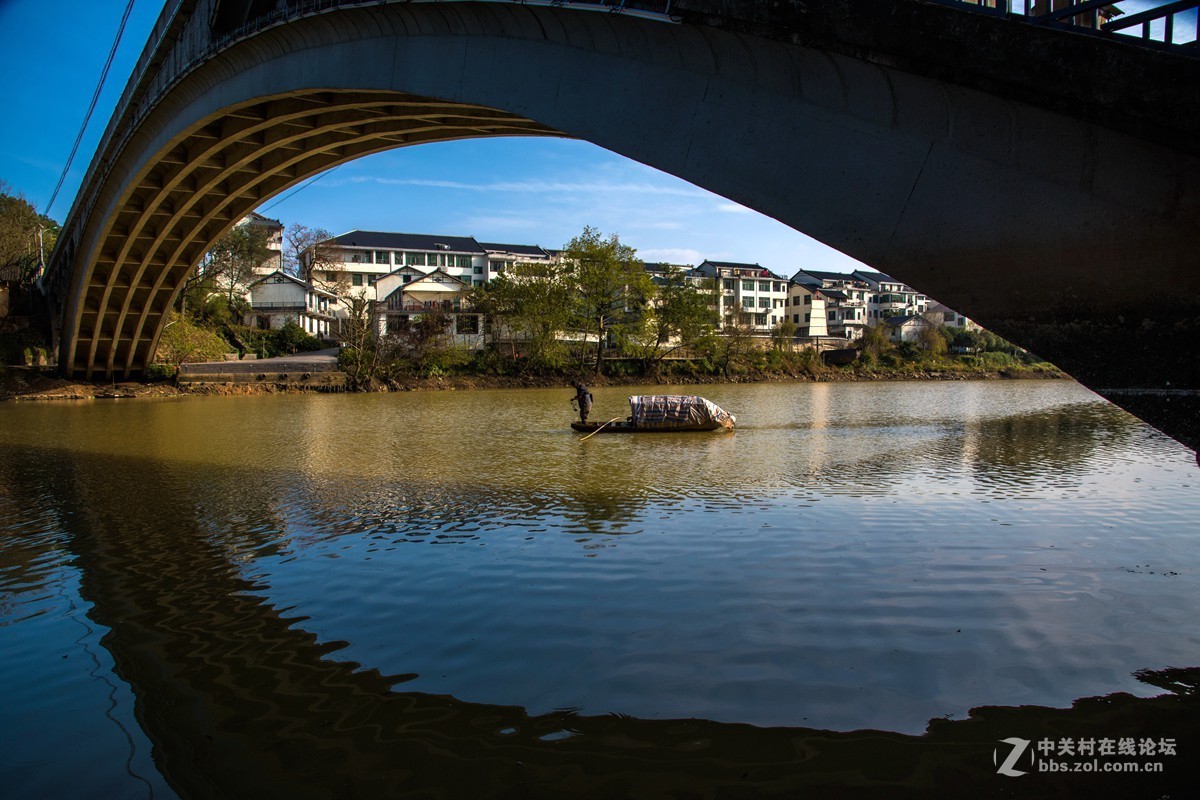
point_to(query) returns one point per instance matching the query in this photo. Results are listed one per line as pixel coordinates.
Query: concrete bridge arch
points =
(1009, 203)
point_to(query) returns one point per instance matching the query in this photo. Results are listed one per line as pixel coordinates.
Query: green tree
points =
(25, 236)
(182, 341)
(681, 315)
(361, 357)
(611, 287)
(232, 260)
(875, 341)
(932, 339)
(782, 335)
(531, 303)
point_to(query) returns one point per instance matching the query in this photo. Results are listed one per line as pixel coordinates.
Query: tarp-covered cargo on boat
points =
(651, 411)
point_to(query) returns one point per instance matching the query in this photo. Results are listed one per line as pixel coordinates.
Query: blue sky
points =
(526, 191)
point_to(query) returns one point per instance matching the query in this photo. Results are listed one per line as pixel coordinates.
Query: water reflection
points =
(845, 573)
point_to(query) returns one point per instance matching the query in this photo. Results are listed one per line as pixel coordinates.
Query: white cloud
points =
(534, 186)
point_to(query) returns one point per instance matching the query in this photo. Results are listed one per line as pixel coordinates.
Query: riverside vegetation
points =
(622, 326)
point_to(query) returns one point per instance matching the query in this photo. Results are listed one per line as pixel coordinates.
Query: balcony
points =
(424, 307)
(286, 306)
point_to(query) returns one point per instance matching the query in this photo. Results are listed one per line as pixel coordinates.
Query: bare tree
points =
(309, 255)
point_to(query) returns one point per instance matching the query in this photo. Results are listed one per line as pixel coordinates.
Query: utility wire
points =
(302, 187)
(95, 96)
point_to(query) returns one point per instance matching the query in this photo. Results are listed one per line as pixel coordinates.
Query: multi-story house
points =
(846, 300)
(806, 308)
(503, 257)
(403, 275)
(890, 297)
(354, 261)
(279, 298)
(940, 314)
(659, 270)
(274, 230)
(747, 294)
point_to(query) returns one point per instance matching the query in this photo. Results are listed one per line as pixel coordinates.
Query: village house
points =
(279, 298)
(846, 301)
(905, 327)
(747, 294)
(890, 297)
(806, 309)
(274, 233)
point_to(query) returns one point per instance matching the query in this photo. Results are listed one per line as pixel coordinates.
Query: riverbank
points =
(26, 383)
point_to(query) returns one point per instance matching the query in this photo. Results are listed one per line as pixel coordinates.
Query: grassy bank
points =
(24, 383)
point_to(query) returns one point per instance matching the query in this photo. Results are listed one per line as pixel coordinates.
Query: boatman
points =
(583, 399)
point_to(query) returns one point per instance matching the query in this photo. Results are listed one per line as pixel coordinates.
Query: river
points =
(283, 595)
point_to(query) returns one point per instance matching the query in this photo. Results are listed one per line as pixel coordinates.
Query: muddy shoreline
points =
(31, 384)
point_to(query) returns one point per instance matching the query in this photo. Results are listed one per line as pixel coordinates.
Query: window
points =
(478, 270)
(465, 261)
(747, 302)
(779, 287)
(408, 278)
(381, 257)
(808, 299)
(764, 302)
(747, 286)
(730, 284)
(356, 259)
(356, 279)
(371, 280)
(764, 286)
(729, 300)
(414, 259)
(796, 318)
(807, 317)
(467, 323)
(760, 320)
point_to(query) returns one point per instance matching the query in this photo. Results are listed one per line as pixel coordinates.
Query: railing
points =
(1164, 25)
(417, 307)
(264, 306)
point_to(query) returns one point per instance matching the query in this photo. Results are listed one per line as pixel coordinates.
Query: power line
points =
(302, 187)
(92, 107)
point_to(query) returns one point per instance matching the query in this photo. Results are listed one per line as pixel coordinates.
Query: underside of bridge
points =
(221, 170)
(1015, 207)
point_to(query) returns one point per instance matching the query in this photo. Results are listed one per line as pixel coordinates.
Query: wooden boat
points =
(625, 426)
(665, 414)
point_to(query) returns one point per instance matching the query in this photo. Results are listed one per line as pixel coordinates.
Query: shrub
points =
(157, 373)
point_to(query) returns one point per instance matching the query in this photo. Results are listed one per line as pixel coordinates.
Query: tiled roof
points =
(384, 240)
(516, 249)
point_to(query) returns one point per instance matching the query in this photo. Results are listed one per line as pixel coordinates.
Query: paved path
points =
(316, 361)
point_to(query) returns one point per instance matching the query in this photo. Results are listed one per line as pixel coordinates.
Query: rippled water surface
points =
(853, 556)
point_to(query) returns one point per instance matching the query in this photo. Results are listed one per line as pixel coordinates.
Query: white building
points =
(806, 309)
(905, 327)
(890, 297)
(274, 229)
(846, 300)
(748, 294)
(279, 298)
(361, 258)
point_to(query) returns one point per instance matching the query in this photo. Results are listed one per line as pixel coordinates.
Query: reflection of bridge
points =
(1043, 183)
(240, 701)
